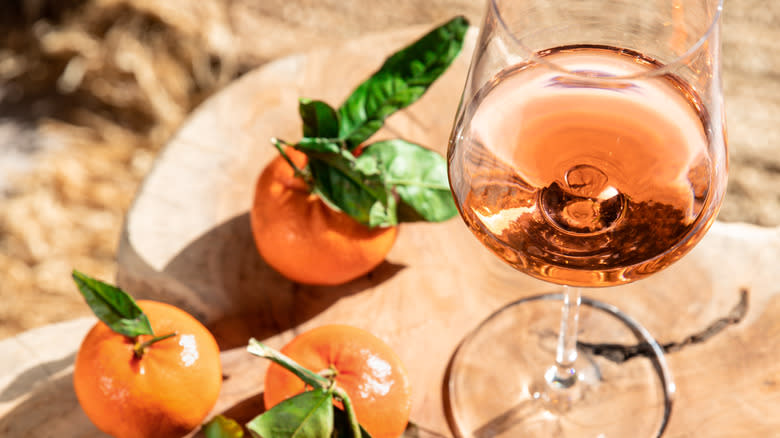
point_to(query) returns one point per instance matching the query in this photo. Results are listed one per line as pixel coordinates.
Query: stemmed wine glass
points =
(588, 151)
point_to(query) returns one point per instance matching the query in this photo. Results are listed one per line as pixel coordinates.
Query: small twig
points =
(296, 171)
(140, 347)
(329, 373)
(350, 410)
(619, 353)
(310, 378)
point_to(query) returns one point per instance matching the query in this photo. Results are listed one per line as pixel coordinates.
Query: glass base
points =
(497, 381)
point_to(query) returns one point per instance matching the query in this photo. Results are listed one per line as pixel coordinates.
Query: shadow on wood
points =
(221, 279)
(50, 409)
(27, 381)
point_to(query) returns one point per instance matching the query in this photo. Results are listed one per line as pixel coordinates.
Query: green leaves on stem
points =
(118, 311)
(388, 181)
(378, 184)
(113, 306)
(310, 414)
(402, 79)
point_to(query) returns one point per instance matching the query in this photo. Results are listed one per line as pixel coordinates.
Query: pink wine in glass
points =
(580, 182)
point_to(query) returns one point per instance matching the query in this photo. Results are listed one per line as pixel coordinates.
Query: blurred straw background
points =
(89, 92)
(91, 89)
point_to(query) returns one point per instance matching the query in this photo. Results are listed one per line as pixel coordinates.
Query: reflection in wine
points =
(585, 182)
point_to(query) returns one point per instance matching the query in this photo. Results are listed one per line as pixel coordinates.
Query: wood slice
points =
(187, 241)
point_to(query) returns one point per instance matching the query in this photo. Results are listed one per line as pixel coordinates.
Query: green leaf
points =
(402, 79)
(419, 177)
(306, 415)
(319, 119)
(348, 184)
(113, 306)
(312, 146)
(346, 188)
(341, 426)
(222, 427)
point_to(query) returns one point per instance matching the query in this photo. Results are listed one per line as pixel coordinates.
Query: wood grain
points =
(187, 241)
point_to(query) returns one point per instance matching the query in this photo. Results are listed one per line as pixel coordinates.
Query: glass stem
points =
(563, 374)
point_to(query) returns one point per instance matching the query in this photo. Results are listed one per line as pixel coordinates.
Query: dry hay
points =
(103, 84)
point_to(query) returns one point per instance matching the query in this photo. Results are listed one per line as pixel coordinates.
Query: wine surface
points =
(580, 180)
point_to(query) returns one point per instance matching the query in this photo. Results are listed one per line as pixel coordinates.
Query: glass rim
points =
(659, 70)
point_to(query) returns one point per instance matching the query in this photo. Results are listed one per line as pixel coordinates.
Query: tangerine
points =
(304, 239)
(361, 364)
(166, 392)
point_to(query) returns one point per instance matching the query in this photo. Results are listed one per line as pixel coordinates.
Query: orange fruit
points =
(165, 393)
(366, 368)
(302, 238)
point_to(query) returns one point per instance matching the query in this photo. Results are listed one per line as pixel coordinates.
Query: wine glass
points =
(588, 151)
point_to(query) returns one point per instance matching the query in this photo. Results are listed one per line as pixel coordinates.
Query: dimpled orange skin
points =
(302, 238)
(367, 369)
(166, 393)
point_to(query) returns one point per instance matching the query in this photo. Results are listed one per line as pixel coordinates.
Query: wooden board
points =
(187, 241)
